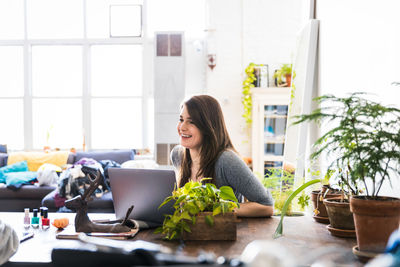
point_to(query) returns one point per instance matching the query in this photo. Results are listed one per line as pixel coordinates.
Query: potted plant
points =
(338, 208)
(280, 183)
(283, 75)
(365, 137)
(202, 212)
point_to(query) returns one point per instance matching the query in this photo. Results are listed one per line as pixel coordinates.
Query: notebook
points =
(146, 189)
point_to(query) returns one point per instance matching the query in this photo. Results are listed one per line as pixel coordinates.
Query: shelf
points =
(274, 139)
(271, 157)
(275, 116)
(270, 116)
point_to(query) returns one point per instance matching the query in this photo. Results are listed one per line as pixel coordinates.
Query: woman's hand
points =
(254, 209)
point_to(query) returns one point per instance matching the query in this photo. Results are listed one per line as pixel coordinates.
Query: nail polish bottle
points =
(35, 219)
(27, 219)
(45, 220)
(41, 212)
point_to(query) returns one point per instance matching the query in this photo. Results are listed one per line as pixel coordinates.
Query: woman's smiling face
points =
(189, 135)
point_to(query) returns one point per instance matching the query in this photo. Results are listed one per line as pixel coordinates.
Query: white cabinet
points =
(269, 113)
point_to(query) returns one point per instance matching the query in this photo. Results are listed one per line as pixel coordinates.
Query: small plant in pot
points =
(365, 137)
(318, 197)
(338, 208)
(202, 212)
(283, 75)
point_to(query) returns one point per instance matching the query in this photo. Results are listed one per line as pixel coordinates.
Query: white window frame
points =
(86, 97)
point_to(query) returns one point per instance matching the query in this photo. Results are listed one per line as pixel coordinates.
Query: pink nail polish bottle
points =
(27, 219)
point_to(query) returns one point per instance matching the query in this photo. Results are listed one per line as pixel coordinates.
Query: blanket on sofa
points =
(36, 159)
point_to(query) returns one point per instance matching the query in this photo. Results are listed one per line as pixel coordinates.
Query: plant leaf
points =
(226, 192)
(165, 201)
(209, 220)
(279, 229)
(217, 209)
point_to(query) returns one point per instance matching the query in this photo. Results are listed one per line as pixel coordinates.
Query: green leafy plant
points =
(248, 84)
(280, 183)
(286, 69)
(314, 178)
(363, 140)
(190, 200)
(279, 229)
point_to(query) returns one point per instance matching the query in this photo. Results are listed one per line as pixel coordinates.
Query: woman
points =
(207, 151)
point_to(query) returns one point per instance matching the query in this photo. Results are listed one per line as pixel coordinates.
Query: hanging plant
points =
(247, 102)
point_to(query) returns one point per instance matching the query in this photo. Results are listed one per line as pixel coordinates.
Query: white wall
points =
(359, 51)
(259, 31)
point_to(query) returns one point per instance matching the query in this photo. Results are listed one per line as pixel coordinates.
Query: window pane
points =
(116, 123)
(57, 70)
(12, 128)
(116, 70)
(98, 16)
(179, 15)
(11, 19)
(125, 21)
(12, 71)
(55, 19)
(60, 120)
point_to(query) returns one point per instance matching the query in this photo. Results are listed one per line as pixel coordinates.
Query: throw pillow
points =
(18, 178)
(21, 166)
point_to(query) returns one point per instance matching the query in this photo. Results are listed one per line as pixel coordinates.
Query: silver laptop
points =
(146, 189)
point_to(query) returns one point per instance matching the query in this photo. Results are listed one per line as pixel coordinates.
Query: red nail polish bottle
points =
(45, 220)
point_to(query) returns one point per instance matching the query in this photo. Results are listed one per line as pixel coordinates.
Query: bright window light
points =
(125, 21)
(98, 16)
(116, 70)
(117, 123)
(57, 123)
(57, 70)
(11, 19)
(12, 71)
(12, 128)
(55, 19)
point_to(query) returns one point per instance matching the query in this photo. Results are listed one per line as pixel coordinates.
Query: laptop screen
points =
(146, 189)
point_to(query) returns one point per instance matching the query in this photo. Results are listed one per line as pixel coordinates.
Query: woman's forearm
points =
(254, 209)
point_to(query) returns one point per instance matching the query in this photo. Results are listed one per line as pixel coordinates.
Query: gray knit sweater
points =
(231, 170)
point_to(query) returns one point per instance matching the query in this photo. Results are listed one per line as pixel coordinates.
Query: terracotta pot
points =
(288, 78)
(340, 216)
(375, 220)
(318, 204)
(224, 227)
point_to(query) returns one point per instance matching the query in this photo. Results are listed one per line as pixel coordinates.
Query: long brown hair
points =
(206, 114)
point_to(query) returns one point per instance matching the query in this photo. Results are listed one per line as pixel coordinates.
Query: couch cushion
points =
(26, 192)
(119, 156)
(36, 159)
(17, 178)
(21, 166)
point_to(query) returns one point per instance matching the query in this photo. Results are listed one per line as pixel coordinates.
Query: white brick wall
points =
(259, 31)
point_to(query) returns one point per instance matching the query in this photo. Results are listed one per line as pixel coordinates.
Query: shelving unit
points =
(270, 110)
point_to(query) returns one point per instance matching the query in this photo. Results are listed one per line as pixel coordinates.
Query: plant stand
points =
(224, 227)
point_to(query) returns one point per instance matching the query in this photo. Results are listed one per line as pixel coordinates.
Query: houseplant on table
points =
(365, 137)
(281, 183)
(338, 208)
(202, 212)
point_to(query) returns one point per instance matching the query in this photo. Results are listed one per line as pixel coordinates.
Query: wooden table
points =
(303, 239)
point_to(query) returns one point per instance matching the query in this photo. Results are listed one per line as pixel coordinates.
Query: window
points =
(72, 72)
(72, 75)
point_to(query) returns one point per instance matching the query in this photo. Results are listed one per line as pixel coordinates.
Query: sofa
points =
(34, 196)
